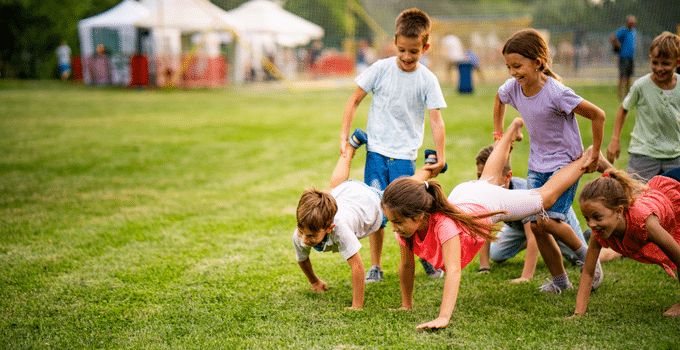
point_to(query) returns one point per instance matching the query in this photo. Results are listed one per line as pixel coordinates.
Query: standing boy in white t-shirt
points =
(402, 89)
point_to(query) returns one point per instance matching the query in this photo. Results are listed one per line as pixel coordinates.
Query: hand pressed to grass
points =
(448, 232)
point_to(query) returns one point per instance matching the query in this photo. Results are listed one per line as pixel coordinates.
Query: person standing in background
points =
(624, 46)
(64, 60)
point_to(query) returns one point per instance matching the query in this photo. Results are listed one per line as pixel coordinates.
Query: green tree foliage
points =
(35, 28)
(654, 16)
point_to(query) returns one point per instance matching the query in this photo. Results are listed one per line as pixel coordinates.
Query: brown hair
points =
(413, 23)
(619, 188)
(316, 210)
(484, 154)
(530, 44)
(410, 198)
(668, 44)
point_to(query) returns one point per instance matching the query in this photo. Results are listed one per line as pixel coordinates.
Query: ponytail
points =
(547, 71)
(411, 198)
(613, 189)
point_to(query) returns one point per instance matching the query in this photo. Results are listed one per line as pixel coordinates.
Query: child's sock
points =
(562, 281)
(581, 252)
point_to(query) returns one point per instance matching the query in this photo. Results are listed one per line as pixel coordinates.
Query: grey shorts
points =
(625, 67)
(648, 167)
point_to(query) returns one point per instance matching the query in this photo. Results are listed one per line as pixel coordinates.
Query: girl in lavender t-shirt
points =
(548, 108)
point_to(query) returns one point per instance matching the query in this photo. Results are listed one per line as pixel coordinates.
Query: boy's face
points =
(663, 68)
(310, 238)
(409, 51)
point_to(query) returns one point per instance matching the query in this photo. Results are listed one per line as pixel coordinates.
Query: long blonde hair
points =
(411, 198)
(530, 44)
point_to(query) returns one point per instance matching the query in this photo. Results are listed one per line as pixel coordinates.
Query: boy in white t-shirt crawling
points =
(334, 221)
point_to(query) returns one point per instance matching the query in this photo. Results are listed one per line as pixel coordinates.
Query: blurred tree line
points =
(653, 16)
(34, 28)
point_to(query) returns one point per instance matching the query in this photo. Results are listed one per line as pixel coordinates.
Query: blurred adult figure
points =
(624, 45)
(101, 67)
(453, 54)
(64, 60)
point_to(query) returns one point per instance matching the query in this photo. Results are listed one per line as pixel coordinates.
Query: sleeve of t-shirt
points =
(301, 251)
(434, 98)
(348, 243)
(505, 92)
(446, 229)
(366, 80)
(568, 100)
(633, 96)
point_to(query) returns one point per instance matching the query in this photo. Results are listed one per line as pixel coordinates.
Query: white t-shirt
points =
(359, 214)
(396, 118)
(64, 54)
(454, 48)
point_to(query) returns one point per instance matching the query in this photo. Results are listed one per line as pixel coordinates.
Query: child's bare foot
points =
(673, 311)
(515, 129)
(602, 163)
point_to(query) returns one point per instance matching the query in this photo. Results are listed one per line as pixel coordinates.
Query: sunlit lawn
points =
(163, 219)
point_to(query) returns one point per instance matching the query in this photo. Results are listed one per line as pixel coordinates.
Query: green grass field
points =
(163, 219)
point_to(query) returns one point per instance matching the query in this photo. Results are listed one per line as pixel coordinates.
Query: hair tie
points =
(427, 185)
(606, 175)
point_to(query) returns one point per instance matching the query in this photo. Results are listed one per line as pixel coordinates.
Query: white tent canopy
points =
(121, 17)
(266, 17)
(187, 15)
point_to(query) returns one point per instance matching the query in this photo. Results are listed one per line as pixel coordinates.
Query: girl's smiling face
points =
(406, 227)
(603, 220)
(525, 70)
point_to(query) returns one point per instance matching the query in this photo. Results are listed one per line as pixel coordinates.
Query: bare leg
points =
(562, 180)
(493, 169)
(422, 175)
(550, 251)
(342, 167)
(484, 256)
(376, 240)
(562, 231)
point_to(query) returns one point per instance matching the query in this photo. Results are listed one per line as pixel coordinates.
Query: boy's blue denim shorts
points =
(379, 170)
(559, 210)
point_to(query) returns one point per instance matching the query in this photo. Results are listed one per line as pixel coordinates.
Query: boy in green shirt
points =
(655, 141)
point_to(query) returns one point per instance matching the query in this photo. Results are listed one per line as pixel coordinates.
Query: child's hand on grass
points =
(439, 322)
(319, 287)
(520, 280)
(673, 311)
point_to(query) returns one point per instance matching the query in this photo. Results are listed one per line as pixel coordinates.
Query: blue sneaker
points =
(433, 160)
(360, 136)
